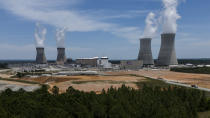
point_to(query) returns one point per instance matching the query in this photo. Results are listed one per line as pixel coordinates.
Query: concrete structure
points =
(145, 52)
(87, 61)
(167, 54)
(61, 57)
(40, 56)
(103, 62)
(131, 64)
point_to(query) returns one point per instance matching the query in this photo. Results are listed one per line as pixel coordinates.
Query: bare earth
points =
(202, 80)
(89, 83)
(116, 79)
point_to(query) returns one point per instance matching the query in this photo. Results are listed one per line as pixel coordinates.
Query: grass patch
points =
(196, 70)
(21, 81)
(152, 83)
(159, 83)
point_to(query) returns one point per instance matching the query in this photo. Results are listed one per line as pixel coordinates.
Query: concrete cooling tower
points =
(40, 57)
(145, 52)
(61, 58)
(167, 54)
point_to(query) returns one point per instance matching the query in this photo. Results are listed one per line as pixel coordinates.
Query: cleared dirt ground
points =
(202, 80)
(89, 83)
(116, 79)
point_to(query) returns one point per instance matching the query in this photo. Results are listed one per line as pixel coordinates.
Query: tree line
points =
(3, 65)
(125, 102)
(198, 70)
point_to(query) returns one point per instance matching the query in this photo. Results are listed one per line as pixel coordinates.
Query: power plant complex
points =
(167, 53)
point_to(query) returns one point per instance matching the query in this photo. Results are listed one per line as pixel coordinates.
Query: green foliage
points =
(55, 90)
(152, 83)
(198, 70)
(3, 65)
(194, 61)
(32, 72)
(20, 75)
(125, 102)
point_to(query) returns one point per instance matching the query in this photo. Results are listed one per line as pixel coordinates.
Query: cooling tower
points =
(40, 57)
(145, 52)
(61, 58)
(167, 54)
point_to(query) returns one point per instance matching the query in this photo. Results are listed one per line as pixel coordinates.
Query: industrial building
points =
(102, 62)
(87, 61)
(145, 52)
(40, 57)
(131, 64)
(167, 54)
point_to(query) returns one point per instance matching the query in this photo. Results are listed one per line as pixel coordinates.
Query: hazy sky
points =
(99, 27)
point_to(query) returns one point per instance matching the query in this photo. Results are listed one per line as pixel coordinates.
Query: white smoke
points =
(39, 35)
(151, 26)
(170, 16)
(60, 37)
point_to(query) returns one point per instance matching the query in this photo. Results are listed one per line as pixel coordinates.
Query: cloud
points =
(151, 26)
(131, 33)
(39, 35)
(170, 16)
(54, 13)
(113, 14)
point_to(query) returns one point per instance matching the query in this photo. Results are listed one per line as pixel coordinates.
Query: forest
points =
(125, 102)
(198, 70)
(3, 66)
(195, 61)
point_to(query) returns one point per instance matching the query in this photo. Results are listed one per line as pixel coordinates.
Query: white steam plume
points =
(39, 35)
(151, 26)
(170, 16)
(60, 37)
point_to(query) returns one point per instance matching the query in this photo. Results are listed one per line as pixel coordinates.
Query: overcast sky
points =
(99, 27)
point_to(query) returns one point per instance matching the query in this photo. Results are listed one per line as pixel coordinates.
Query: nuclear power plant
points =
(145, 52)
(167, 54)
(40, 57)
(61, 57)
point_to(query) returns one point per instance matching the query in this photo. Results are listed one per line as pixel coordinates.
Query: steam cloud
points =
(170, 16)
(60, 37)
(151, 26)
(39, 35)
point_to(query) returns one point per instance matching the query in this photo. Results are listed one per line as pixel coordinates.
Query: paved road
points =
(186, 85)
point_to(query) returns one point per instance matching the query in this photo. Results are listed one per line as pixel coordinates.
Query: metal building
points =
(145, 52)
(87, 62)
(167, 54)
(61, 57)
(40, 56)
(131, 64)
